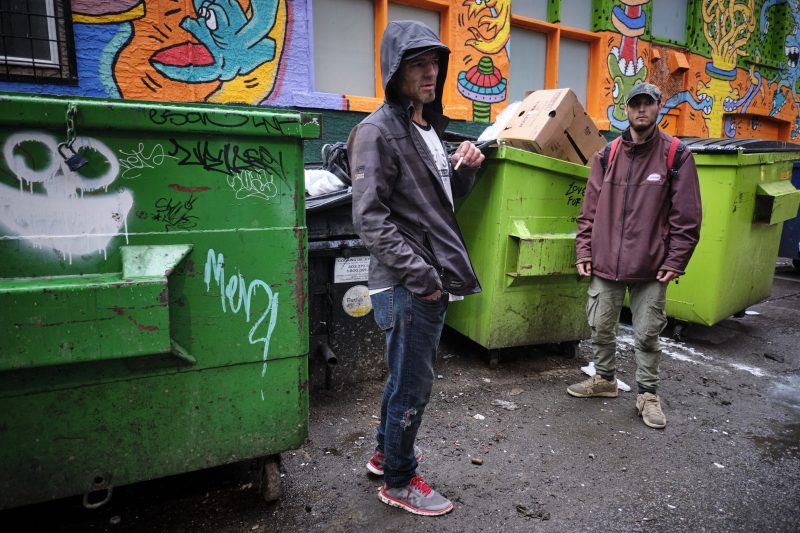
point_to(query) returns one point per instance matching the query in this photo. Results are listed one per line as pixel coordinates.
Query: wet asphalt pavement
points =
(728, 460)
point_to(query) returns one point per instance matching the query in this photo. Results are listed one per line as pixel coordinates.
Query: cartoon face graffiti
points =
(229, 43)
(221, 51)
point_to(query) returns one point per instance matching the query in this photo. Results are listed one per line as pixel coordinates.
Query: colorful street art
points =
(225, 52)
(727, 25)
(625, 65)
(735, 75)
(789, 73)
(485, 56)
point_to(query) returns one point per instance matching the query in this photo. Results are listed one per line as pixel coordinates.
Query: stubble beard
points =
(642, 128)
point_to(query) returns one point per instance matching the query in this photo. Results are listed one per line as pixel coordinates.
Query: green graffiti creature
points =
(623, 83)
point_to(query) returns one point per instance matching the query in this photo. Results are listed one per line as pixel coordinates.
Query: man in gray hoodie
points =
(403, 188)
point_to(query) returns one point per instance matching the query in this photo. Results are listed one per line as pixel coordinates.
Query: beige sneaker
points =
(649, 407)
(594, 387)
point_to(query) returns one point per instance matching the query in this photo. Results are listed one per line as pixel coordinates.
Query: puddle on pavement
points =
(785, 440)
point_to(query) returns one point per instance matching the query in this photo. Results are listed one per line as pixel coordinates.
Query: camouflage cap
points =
(644, 88)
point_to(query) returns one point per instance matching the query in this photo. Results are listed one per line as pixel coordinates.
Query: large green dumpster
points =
(747, 194)
(519, 226)
(153, 301)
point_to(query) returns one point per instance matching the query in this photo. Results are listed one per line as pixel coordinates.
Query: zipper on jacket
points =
(624, 210)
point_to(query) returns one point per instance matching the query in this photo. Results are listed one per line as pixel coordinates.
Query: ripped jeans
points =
(413, 328)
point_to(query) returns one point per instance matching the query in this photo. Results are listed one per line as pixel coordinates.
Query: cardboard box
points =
(554, 123)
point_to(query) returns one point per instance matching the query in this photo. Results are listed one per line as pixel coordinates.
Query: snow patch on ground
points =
(681, 352)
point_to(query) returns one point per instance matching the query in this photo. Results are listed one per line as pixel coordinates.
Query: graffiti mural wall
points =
(735, 84)
(179, 50)
(482, 56)
(734, 75)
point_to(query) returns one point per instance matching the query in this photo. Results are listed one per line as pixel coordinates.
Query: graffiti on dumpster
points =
(255, 183)
(175, 214)
(62, 210)
(575, 193)
(250, 172)
(133, 161)
(272, 125)
(236, 295)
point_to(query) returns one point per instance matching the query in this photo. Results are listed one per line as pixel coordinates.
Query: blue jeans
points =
(413, 328)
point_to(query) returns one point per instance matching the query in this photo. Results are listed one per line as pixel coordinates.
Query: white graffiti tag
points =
(133, 161)
(62, 219)
(258, 183)
(235, 294)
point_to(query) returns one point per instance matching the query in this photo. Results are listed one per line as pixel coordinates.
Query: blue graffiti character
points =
(789, 73)
(237, 44)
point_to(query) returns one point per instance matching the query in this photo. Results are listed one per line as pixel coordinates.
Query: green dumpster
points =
(152, 291)
(519, 226)
(747, 194)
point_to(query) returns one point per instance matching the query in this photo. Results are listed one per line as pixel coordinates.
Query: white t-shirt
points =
(436, 149)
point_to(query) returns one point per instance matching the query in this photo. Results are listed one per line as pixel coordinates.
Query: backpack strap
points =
(676, 149)
(609, 152)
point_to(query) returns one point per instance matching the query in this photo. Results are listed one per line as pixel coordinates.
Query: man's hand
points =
(665, 276)
(467, 155)
(435, 296)
(585, 268)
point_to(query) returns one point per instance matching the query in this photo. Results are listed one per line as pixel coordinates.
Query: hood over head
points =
(404, 40)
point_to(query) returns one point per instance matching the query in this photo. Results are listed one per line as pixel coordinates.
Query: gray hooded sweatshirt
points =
(400, 208)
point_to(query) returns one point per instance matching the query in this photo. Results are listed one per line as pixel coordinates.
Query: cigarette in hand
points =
(460, 160)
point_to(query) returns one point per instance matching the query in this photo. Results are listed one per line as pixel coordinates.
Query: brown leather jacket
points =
(636, 220)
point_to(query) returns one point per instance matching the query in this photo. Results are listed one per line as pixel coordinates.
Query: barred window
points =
(36, 42)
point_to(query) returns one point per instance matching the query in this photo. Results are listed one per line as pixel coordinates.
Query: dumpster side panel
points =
(165, 321)
(733, 265)
(519, 225)
(60, 442)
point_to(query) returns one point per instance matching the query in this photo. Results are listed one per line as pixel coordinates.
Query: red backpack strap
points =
(673, 147)
(608, 153)
(676, 147)
(614, 146)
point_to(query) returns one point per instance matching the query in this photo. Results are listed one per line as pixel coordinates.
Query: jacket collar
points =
(403, 107)
(647, 144)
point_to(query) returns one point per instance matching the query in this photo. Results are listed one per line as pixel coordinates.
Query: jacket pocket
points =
(383, 308)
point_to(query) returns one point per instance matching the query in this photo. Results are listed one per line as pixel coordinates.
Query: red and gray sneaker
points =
(417, 498)
(375, 464)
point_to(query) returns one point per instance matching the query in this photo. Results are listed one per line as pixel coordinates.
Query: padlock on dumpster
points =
(153, 315)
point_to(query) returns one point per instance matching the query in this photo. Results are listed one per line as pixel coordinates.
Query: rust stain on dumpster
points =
(183, 188)
(121, 312)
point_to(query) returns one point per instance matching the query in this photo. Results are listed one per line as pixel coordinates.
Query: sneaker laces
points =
(377, 459)
(418, 483)
(651, 402)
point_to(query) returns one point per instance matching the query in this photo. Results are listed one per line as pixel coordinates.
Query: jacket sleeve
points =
(374, 171)
(463, 179)
(583, 237)
(685, 216)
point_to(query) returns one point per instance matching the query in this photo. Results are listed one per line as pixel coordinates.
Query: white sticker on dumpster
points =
(350, 269)
(356, 302)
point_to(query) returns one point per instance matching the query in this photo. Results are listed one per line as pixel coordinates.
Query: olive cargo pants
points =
(647, 301)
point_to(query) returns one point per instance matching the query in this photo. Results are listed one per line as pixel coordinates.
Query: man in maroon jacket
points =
(638, 227)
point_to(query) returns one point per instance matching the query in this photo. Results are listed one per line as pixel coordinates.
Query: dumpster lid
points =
(329, 200)
(701, 145)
